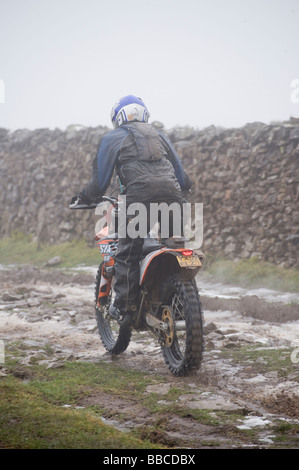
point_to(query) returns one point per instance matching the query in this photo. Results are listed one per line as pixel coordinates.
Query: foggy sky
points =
(193, 62)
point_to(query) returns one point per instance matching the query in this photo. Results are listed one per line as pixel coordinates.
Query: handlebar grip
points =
(77, 205)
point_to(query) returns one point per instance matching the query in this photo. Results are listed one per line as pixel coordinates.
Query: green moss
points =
(251, 273)
(264, 359)
(285, 434)
(20, 249)
(32, 413)
(28, 421)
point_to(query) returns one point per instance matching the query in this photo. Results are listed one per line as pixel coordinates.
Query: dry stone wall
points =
(246, 178)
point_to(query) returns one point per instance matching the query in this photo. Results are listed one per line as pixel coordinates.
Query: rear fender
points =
(157, 265)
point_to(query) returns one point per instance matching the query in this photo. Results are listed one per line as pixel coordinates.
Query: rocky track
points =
(53, 307)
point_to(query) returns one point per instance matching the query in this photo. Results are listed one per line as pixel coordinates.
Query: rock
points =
(66, 226)
(209, 328)
(56, 365)
(160, 389)
(8, 297)
(70, 358)
(230, 248)
(33, 302)
(157, 125)
(294, 134)
(33, 319)
(53, 261)
(212, 402)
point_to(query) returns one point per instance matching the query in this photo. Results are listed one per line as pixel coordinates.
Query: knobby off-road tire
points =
(184, 355)
(114, 338)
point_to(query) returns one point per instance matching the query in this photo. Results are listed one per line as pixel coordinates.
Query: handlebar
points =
(113, 200)
(77, 205)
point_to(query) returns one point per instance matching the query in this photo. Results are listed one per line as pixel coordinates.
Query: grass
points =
(251, 273)
(29, 421)
(20, 249)
(265, 360)
(33, 416)
(33, 412)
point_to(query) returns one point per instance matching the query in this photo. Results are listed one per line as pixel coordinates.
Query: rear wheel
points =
(115, 338)
(182, 346)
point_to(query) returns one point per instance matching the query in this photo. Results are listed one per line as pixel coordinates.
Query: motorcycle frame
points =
(154, 267)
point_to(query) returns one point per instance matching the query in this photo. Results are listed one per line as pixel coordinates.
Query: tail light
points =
(187, 252)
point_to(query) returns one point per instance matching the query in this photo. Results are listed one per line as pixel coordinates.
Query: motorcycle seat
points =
(149, 245)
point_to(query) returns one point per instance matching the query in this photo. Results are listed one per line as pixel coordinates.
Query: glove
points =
(73, 200)
(83, 199)
(80, 199)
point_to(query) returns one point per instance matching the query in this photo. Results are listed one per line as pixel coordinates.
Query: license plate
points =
(188, 261)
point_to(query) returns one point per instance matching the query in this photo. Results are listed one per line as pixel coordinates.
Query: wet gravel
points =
(44, 307)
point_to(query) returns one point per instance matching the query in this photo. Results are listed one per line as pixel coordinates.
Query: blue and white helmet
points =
(127, 109)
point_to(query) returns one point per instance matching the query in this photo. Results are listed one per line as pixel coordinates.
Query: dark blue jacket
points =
(145, 160)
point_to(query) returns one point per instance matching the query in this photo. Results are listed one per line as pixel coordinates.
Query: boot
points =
(124, 319)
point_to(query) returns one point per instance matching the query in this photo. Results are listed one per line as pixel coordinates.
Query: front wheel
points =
(182, 346)
(114, 338)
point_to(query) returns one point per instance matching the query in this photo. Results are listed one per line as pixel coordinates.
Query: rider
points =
(149, 170)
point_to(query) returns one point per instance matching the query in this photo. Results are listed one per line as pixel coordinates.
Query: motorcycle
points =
(169, 307)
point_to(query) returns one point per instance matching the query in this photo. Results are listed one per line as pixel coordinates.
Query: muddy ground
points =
(53, 307)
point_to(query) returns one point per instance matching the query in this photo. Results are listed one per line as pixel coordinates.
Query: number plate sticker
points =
(188, 261)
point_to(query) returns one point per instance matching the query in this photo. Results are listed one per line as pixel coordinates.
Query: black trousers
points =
(127, 259)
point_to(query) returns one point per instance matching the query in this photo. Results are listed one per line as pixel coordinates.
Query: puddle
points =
(253, 421)
(233, 292)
